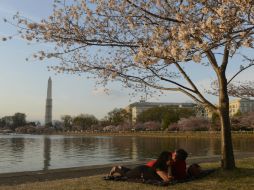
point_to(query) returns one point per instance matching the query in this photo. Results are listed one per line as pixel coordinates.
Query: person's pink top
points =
(150, 163)
(178, 169)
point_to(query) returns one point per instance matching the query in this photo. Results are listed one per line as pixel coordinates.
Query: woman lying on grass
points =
(159, 170)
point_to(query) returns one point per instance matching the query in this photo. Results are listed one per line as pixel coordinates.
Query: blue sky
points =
(23, 84)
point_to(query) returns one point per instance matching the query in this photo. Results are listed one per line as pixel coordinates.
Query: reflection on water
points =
(41, 152)
(46, 152)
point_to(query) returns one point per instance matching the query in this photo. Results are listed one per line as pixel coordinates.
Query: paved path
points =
(68, 173)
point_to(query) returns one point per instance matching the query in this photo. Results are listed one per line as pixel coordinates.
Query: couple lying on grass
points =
(169, 166)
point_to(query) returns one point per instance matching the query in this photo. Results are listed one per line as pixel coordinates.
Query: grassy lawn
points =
(239, 179)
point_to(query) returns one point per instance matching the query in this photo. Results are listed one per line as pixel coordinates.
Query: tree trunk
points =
(227, 155)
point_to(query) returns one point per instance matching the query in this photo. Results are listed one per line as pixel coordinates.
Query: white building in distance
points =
(243, 105)
(138, 107)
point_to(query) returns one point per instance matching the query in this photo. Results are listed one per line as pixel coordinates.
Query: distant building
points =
(138, 107)
(242, 105)
(202, 111)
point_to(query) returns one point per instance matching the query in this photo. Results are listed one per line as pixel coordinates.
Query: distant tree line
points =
(117, 116)
(165, 115)
(14, 121)
(166, 118)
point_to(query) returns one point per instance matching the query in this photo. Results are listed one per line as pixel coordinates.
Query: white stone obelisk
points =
(48, 113)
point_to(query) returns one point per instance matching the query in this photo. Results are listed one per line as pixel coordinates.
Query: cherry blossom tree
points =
(243, 121)
(191, 124)
(146, 45)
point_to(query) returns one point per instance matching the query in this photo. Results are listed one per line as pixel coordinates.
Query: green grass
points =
(240, 179)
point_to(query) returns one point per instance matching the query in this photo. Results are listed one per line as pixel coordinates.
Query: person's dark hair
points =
(161, 162)
(181, 154)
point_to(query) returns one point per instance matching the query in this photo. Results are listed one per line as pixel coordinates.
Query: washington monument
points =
(48, 113)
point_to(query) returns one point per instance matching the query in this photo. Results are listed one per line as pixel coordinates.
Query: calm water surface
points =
(41, 152)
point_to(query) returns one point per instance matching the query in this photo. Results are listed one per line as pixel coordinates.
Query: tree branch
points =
(168, 80)
(225, 58)
(241, 70)
(196, 91)
(152, 14)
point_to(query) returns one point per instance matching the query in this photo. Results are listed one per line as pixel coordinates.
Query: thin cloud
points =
(8, 12)
(4, 10)
(110, 92)
(100, 91)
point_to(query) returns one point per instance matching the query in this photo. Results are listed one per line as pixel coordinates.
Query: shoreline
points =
(16, 178)
(181, 134)
(204, 134)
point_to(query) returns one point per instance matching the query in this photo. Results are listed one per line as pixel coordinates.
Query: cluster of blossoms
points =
(155, 28)
(137, 34)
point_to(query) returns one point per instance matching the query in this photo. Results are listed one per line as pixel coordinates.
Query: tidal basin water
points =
(42, 152)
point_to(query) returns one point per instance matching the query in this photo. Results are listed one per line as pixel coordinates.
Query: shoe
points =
(108, 177)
